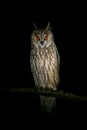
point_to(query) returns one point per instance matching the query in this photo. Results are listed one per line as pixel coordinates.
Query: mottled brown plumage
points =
(45, 61)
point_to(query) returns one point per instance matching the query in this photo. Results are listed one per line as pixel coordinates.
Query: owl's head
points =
(42, 37)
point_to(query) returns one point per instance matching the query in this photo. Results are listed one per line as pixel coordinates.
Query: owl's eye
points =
(37, 38)
(46, 37)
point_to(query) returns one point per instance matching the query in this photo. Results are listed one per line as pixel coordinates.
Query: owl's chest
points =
(45, 60)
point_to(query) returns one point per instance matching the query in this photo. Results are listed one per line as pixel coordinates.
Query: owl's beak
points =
(41, 42)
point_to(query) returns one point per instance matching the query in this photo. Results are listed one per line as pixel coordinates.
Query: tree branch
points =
(58, 94)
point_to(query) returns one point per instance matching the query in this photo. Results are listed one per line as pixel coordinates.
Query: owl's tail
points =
(48, 104)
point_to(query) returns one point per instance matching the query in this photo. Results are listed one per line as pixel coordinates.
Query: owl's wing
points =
(58, 58)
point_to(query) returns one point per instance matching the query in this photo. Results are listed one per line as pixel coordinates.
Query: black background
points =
(68, 23)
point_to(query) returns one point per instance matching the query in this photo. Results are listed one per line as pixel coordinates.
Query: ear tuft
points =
(48, 26)
(35, 27)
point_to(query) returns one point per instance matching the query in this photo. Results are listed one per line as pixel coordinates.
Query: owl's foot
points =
(39, 89)
(51, 89)
(54, 88)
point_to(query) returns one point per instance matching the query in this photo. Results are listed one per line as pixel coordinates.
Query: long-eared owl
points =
(45, 62)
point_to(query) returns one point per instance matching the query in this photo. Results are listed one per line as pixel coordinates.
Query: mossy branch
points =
(58, 94)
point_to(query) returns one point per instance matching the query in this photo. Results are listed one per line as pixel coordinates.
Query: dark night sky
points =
(68, 25)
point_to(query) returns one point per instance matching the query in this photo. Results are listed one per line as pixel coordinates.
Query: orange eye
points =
(46, 37)
(37, 38)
